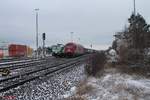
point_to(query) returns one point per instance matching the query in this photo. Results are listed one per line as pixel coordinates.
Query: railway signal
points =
(44, 36)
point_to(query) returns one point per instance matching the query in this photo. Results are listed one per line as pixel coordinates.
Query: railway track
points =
(42, 70)
(21, 60)
(22, 63)
(38, 65)
(15, 59)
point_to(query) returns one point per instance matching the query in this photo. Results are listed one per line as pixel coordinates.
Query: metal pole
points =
(43, 48)
(79, 40)
(134, 8)
(71, 36)
(44, 37)
(91, 46)
(37, 45)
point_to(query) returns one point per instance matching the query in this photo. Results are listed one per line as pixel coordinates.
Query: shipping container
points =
(5, 53)
(4, 49)
(1, 54)
(29, 51)
(17, 50)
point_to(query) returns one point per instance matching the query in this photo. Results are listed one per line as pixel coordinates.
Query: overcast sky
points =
(93, 21)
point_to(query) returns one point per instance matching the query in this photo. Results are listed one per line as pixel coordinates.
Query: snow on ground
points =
(49, 88)
(112, 85)
(117, 86)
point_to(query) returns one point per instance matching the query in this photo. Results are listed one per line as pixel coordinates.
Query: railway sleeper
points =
(48, 71)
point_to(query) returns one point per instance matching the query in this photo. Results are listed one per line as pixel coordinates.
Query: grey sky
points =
(93, 21)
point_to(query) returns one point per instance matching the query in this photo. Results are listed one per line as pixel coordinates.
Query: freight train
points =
(15, 50)
(70, 50)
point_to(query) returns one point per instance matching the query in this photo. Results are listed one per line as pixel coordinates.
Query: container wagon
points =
(29, 51)
(1, 54)
(15, 50)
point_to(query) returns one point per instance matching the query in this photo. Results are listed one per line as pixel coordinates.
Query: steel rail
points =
(48, 70)
(36, 70)
(22, 61)
(22, 64)
(14, 59)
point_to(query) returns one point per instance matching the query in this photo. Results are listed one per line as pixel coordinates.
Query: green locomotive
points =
(58, 50)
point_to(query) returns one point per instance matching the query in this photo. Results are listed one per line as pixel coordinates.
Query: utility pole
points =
(37, 44)
(135, 33)
(71, 36)
(79, 40)
(91, 46)
(134, 7)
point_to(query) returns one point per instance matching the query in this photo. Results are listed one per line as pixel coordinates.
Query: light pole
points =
(37, 32)
(71, 36)
(79, 40)
(134, 7)
(91, 46)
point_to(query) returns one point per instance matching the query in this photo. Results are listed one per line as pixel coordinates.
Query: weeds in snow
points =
(82, 89)
(95, 64)
(77, 97)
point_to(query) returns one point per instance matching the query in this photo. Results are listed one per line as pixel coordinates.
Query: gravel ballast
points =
(48, 88)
